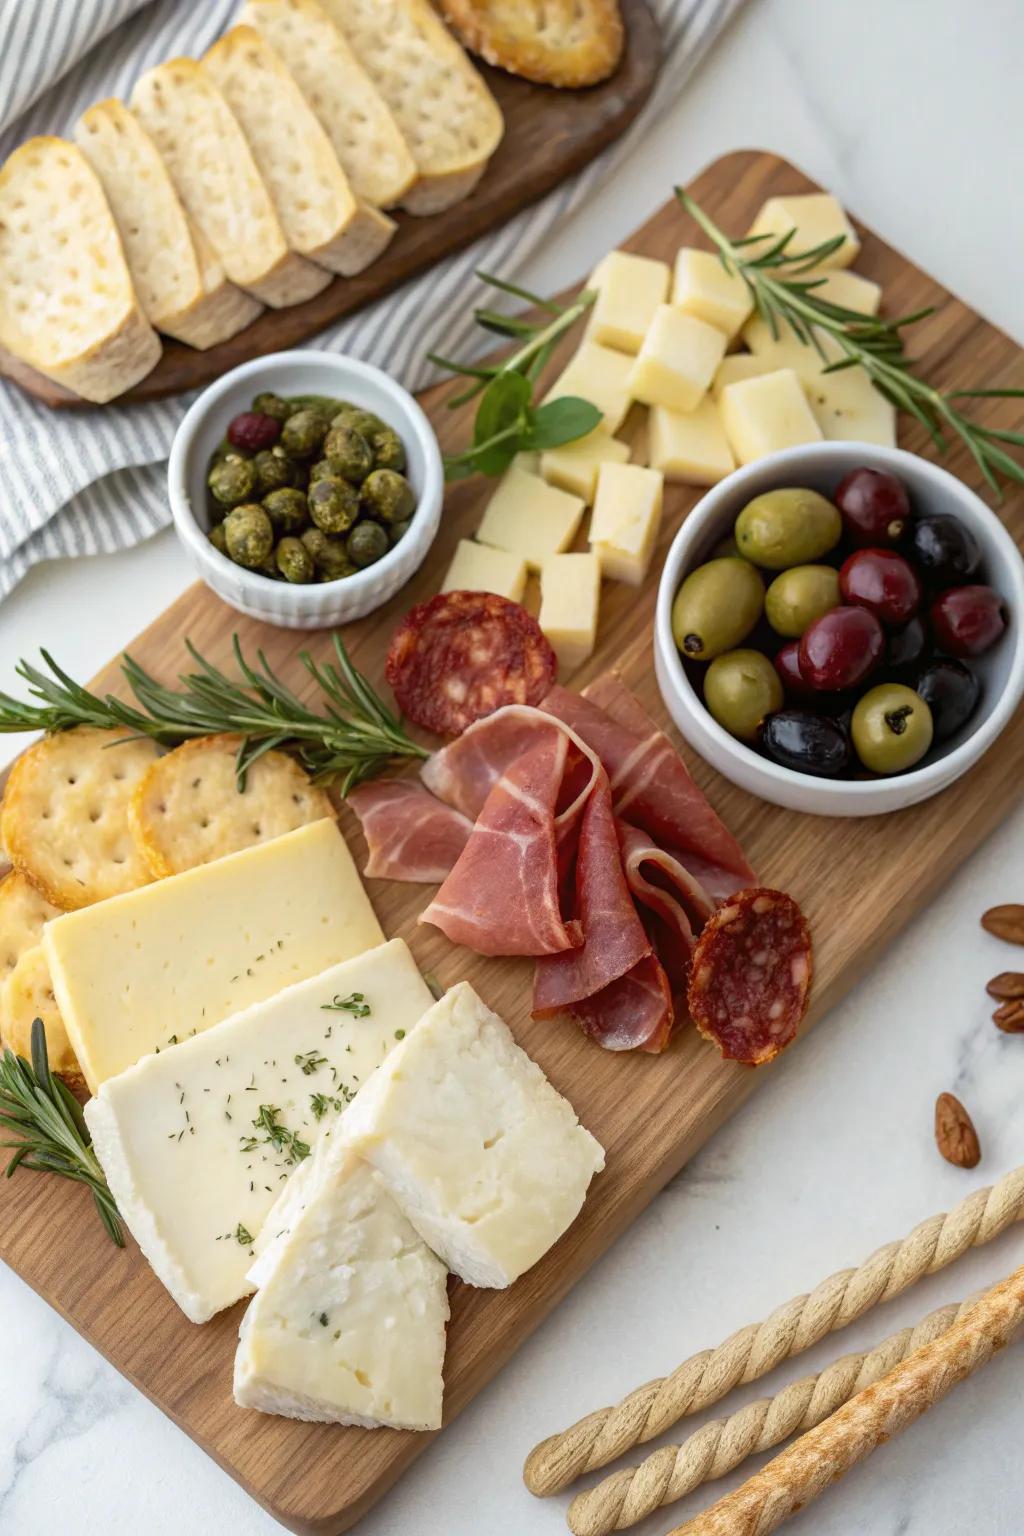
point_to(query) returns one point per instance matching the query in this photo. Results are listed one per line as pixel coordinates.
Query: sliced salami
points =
(462, 655)
(751, 975)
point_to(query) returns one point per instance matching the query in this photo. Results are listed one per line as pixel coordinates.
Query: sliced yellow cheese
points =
(784, 349)
(690, 447)
(677, 361)
(625, 520)
(848, 407)
(629, 290)
(763, 415)
(573, 466)
(736, 366)
(570, 597)
(598, 374)
(530, 518)
(816, 217)
(703, 288)
(851, 291)
(481, 568)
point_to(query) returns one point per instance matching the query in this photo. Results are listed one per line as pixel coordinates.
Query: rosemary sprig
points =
(507, 421)
(783, 286)
(48, 1128)
(354, 736)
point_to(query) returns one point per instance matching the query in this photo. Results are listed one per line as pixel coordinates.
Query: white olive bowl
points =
(821, 466)
(321, 604)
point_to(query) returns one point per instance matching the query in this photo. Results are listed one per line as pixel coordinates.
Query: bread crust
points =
(565, 43)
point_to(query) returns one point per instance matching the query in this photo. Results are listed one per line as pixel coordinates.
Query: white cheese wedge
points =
(570, 599)
(530, 518)
(736, 366)
(851, 291)
(138, 972)
(600, 375)
(573, 467)
(625, 520)
(197, 1142)
(816, 217)
(677, 361)
(481, 568)
(348, 1325)
(629, 290)
(703, 288)
(486, 1159)
(763, 415)
(693, 447)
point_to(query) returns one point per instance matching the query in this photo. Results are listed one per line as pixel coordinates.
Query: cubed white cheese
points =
(816, 217)
(482, 568)
(176, 957)
(625, 520)
(703, 288)
(485, 1158)
(851, 291)
(570, 597)
(573, 466)
(348, 1325)
(629, 290)
(763, 415)
(597, 374)
(529, 518)
(693, 447)
(739, 365)
(677, 360)
(847, 406)
(198, 1141)
(784, 349)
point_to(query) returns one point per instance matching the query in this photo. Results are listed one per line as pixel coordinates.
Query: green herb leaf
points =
(355, 1003)
(561, 421)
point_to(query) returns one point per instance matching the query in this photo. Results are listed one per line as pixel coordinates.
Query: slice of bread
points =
(319, 213)
(449, 118)
(67, 305)
(213, 170)
(358, 122)
(567, 43)
(192, 301)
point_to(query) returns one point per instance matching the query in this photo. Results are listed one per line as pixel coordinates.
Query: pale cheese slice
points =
(625, 521)
(629, 291)
(691, 447)
(215, 175)
(764, 415)
(482, 568)
(68, 307)
(320, 215)
(598, 374)
(570, 598)
(677, 361)
(816, 217)
(197, 1142)
(138, 972)
(702, 287)
(183, 295)
(573, 466)
(851, 291)
(529, 518)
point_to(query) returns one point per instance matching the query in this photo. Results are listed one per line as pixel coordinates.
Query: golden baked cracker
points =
(566, 43)
(188, 808)
(28, 994)
(23, 911)
(64, 820)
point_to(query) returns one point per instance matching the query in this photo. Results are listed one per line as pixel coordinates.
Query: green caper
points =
(248, 535)
(274, 470)
(799, 596)
(388, 496)
(232, 482)
(218, 538)
(333, 504)
(388, 449)
(716, 607)
(287, 509)
(364, 422)
(294, 560)
(740, 689)
(269, 404)
(303, 433)
(891, 728)
(349, 452)
(398, 531)
(367, 542)
(332, 560)
(321, 469)
(314, 539)
(790, 526)
(226, 449)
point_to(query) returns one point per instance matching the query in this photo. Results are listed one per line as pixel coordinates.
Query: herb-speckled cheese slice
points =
(135, 973)
(198, 1141)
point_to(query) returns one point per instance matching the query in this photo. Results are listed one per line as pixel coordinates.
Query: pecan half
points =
(1010, 1016)
(1005, 922)
(955, 1135)
(1007, 984)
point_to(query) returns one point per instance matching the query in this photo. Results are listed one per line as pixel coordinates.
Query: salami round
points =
(462, 655)
(751, 975)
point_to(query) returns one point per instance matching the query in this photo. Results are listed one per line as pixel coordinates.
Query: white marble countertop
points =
(912, 114)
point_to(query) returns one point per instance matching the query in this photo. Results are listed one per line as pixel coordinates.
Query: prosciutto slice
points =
(633, 1013)
(410, 834)
(674, 904)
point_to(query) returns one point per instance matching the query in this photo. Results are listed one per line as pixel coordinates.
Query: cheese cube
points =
(851, 291)
(736, 366)
(135, 973)
(570, 595)
(597, 374)
(629, 290)
(484, 1157)
(197, 1142)
(816, 217)
(786, 350)
(573, 467)
(693, 447)
(847, 406)
(762, 415)
(625, 520)
(348, 1326)
(703, 288)
(530, 518)
(677, 361)
(480, 568)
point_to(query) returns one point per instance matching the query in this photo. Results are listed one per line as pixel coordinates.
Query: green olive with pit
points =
(269, 404)
(388, 496)
(333, 504)
(218, 538)
(891, 729)
(364, 422)
(349, 453)
(287, 509)
(274, 471)
(790, 526)
(716, 608)
(248, 536)
(388, 449)
(367, 543)
(303, 434)
(294, 560)
(398, 531)
(332, 561)
(232, 481)
(799, 596)
(740, 689)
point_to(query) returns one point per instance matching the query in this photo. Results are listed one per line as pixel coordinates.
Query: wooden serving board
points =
(549, 135)
(858, 882)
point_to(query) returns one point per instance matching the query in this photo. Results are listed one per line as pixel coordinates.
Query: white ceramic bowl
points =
(320, 604)
(1001, 670)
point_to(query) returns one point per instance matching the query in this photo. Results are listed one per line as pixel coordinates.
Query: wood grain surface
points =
(858, 882)
(549, 135)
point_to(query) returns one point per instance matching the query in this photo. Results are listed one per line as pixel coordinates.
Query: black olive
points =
(906, 646)
(951, 692)
(806, 742)
(945, 551)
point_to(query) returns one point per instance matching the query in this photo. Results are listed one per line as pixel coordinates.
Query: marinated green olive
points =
(332, 561)
(792, 526)
(314, 539)
(333, 504)
(364, 422)
(799, 596)
(248, 535)
(303, 433)
(269, 404)
(232, 481)
(716, 607)
(388, 496)
(398, 531)
(740, 689)
(349, 453)
(274, 470)
(321, 469)
(287, 509)
(891, 728)
(366, 543)
(226, 449)
(218, 538)
(388, 449)
(294, 560)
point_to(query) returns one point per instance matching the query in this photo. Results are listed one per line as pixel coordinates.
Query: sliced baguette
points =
(216, 178)
(182, 296)
(67, 305)
(449, 118)
(319, 213)
(367, 140)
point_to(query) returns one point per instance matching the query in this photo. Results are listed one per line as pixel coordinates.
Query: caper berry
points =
(388, 449)
(388, 496)
(398, 531)
(294, 560)
(274, 470)
(349, 452)
(321, 469)
(367, 542)
(248, 535)
(218, 538)
(269, 404)
(303, 433)
(332, 561)
(287, 509)
(232, 482)
(364, 422)
(333, 504)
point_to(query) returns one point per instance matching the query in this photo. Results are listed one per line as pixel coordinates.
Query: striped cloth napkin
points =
(93, 481)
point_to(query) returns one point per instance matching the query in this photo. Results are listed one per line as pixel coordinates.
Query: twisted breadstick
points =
(757, 1349)
(676, 1470)
(810, 1464)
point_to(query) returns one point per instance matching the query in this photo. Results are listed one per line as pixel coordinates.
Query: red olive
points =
(883, 582)
(253, 431)
(874, 507)
(966, 621)
(787, 665)
(840, 649)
